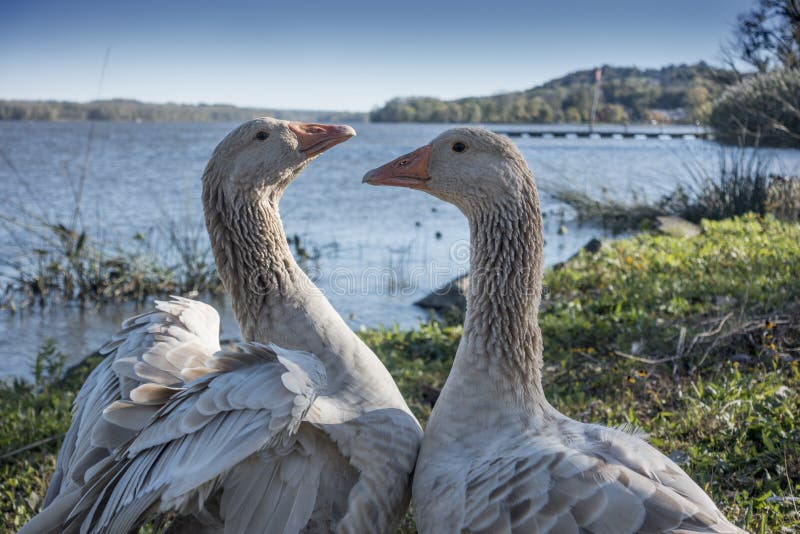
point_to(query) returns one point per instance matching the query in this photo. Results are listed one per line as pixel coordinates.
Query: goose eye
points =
(458, 146)
(262, 135)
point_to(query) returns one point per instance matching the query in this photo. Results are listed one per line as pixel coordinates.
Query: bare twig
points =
(680, 352)
(708, 333)
(30, 446)
(703, 335)
(645, 360)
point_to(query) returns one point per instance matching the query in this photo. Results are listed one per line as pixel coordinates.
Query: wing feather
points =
(156, 347)
(609, 482)
(209, 434)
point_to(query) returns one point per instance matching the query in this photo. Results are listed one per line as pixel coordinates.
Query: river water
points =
(380, 248)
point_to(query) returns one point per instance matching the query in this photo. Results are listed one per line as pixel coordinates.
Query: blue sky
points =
(346, 55)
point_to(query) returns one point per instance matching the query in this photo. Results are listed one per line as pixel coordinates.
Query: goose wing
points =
(589, 478)
(244, 417)
(166, 345)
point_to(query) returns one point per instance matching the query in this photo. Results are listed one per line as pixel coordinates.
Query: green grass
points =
(696, 341)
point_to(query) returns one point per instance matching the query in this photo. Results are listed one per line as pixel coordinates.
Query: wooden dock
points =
(609, 133)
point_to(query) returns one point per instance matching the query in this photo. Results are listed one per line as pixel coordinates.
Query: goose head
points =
(468, 167)
(264, 155)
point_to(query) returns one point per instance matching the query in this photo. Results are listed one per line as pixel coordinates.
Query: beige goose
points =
(496, 456)
(314, 436)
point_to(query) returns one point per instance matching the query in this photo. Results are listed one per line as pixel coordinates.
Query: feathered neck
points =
(275, 301)
(501, 330)
(251, 252)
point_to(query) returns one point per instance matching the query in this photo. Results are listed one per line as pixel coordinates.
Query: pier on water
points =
(609, 132)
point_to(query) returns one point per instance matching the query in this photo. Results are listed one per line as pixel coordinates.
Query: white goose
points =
(314, 436)
(496, 456)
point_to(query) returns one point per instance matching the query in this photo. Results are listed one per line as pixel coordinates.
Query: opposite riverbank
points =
(694, 340)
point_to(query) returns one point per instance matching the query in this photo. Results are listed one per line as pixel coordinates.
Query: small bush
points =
(763, 110)
(783, 198)
(739, 185)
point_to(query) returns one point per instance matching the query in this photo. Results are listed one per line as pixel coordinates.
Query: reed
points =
(740, 183)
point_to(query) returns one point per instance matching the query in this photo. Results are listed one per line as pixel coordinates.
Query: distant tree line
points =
(677, 93)
(133, 110)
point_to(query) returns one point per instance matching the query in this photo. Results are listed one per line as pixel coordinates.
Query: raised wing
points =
(603, 481)
(167, 345)
(249, 410)
(160, 346)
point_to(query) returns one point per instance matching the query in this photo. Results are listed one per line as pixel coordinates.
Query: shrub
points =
(762, 110)
(740, 184)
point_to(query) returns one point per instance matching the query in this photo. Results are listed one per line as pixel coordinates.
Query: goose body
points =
(302, 430)
(496, 456)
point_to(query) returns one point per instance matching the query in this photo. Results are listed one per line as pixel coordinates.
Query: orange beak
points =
(313, 139)
(410, 170)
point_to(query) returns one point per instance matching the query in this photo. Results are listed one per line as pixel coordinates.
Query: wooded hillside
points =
(676, 93)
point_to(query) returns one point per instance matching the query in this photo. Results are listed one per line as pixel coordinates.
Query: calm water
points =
(381, 248)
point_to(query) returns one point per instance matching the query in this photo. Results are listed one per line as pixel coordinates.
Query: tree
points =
(768, 36)
(539, 110)
(612, 113)
(763, 109)
(571, 114)
(472, 111)
(580, 99)
(699, 103)
(519, 110)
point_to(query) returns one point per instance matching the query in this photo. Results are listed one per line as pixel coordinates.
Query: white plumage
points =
(243, 406)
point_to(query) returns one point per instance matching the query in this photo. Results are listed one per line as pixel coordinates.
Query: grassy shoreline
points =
(694, 340)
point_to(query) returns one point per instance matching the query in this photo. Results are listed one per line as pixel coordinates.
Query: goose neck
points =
(501, 331)
(252, 254)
